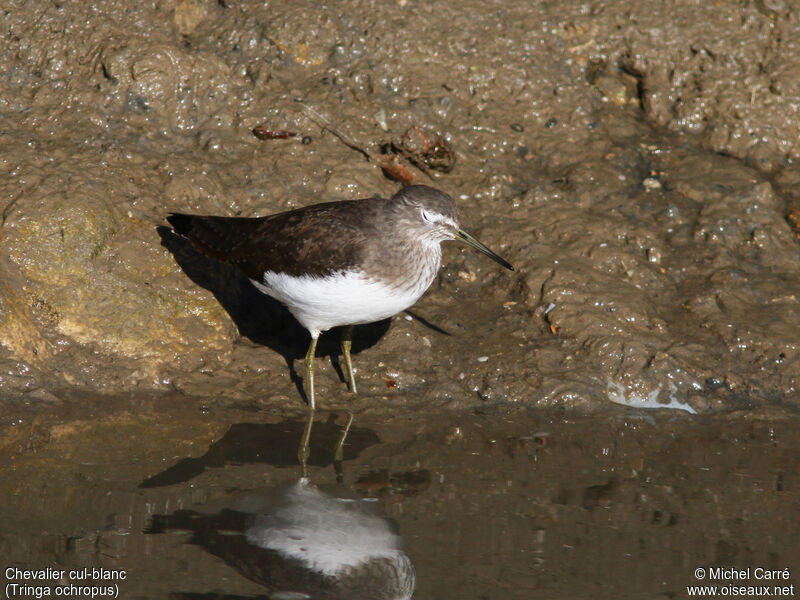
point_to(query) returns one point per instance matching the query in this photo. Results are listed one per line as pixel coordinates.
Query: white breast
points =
(320, 303)
(327, 534)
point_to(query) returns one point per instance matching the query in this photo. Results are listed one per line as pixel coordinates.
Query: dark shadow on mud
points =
(427, 323)
(258, 317)
(273, 444)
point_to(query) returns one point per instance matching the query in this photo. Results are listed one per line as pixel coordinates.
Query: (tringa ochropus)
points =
(338, 263)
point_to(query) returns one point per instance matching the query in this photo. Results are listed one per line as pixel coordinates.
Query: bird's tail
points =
(181, 224)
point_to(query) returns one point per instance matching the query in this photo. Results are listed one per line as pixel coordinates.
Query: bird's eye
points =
(427, 216)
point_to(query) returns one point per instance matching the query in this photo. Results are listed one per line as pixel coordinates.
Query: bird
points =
(341, 263)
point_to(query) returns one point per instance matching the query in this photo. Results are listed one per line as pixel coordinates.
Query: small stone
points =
(651, 183)
(188, 15)
(380, 119)
(467, 276)
(654, 255)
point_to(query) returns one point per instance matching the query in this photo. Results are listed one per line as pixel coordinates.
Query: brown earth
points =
(636, 163)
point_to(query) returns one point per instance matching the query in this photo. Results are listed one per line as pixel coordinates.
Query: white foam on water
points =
(619, 394)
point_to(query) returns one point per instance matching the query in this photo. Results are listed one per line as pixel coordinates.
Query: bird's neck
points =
(409, 264)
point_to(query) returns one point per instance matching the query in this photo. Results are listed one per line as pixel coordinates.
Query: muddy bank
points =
(636, 163)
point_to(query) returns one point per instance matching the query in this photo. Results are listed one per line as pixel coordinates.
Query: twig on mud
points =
(324, 123)
(388, 163)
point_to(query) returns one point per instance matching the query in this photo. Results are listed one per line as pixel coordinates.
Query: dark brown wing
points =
(315, 240)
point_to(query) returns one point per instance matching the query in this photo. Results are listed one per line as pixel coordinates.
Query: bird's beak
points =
(471, 241)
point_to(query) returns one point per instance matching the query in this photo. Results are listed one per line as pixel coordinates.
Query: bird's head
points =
(433, 217)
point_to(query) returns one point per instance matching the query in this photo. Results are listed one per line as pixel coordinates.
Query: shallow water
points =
(490, 504)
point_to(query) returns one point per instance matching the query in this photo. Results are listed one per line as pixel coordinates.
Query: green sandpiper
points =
(338, 263)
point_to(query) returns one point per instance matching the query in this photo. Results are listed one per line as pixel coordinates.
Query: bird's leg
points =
(309, 362)
(305, 451)
(338, 453)
(347, 343)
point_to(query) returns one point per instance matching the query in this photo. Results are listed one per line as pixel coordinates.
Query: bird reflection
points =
(304, 451)
(301, 542)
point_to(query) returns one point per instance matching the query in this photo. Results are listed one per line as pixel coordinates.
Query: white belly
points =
(320, 303)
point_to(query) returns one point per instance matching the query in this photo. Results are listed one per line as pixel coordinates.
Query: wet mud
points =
(617, 412)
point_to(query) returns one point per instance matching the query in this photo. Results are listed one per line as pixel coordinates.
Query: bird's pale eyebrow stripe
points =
(438, 218)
